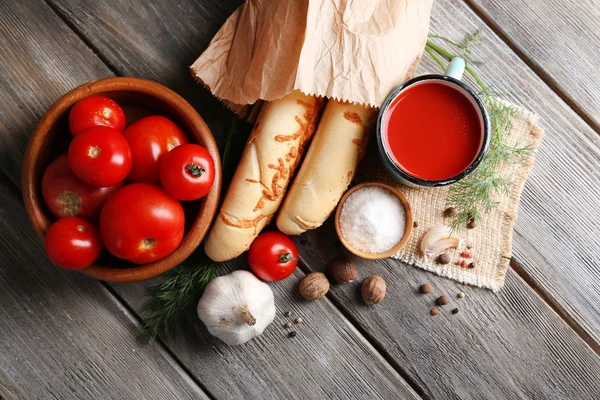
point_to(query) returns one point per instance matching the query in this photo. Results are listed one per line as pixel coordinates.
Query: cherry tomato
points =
(187, 172)
(95, 111)
(150, 139)
(73, 243)
(68, 196)
(273, 256)
(100, 156)
(141, 223)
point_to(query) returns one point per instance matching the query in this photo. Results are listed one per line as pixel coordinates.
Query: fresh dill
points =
(171, 298)
(477, 194)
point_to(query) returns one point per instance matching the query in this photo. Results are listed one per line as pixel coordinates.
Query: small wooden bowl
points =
(407, 229)
(138, 98)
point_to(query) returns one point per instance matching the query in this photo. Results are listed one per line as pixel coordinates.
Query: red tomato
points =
(150, 139)
(73, 243)
(187, 172)
(100, 156)
(95, 111)
(68, 196)
(141, 223)
(273, 256)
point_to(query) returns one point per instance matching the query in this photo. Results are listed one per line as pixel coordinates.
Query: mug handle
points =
(456, 68)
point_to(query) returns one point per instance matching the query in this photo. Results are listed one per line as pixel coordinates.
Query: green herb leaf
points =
(170, 299)
(477, 194)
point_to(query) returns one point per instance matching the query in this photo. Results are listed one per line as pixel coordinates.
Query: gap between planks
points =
(558, 309)
(84, 39)
(515, 265)
(138, 318)
(535, 67)
(128, 311)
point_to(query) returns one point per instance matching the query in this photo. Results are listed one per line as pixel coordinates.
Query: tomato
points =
(95, 111)
(150, 139)
(68, 196)
(273, 256)
(141, 223)
(100, 156)
(187, 172)
(73, 243)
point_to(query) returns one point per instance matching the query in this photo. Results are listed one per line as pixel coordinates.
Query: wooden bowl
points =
(138, 98)
(407, 229)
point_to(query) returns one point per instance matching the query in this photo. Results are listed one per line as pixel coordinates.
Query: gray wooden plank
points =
(552, 240)
(507, 345)
(502, 386)
(560, 38)
(328, 359)
(63, 335)
(556, 234)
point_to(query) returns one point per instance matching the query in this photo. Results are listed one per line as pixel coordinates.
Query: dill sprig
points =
(477, 194)
(170, 299)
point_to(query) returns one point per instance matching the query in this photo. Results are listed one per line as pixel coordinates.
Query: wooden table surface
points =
(64, 336)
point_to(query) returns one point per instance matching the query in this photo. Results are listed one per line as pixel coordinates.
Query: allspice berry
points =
(442, 300)
(343, 270)
(314, 285)
(471, 224)
(425, 288)
(373, 289)
(450, 212)
(443, 259)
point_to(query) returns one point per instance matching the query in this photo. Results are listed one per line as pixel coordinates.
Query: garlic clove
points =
(437, 239)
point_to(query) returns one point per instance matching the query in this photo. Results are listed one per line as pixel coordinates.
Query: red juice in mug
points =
(432, 130)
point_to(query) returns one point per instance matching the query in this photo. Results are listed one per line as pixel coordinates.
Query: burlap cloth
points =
(491, 240)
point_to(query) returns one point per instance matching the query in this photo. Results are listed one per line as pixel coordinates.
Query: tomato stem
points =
(286, 257)
(195, 169)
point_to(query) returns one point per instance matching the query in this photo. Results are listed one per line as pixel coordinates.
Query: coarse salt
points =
(373, 219)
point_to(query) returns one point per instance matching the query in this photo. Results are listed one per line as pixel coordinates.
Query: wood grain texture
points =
(327, 359)
(556, 237)
(316, 363)
(63, 335)
(505, 346)
(560, 39)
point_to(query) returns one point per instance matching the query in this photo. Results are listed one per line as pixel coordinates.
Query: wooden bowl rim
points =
(197, 129)
(407, 229)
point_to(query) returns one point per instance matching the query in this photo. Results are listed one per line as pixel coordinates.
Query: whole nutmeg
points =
(373, 289)
(343, 270)
(314, 285)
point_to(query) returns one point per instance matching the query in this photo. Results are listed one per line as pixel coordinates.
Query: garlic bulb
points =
(236, 307)
(437, 239)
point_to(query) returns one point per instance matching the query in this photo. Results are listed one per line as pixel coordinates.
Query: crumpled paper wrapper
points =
(352, 50)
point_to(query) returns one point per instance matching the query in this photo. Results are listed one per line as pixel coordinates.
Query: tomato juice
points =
(432, 130)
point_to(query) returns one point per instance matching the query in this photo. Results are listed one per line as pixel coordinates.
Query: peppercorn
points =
(459, 262)
(472, 265)
(415, 224)
(443, 259)
(442, 300)
(425, 288)
(466, 254)
(289, 313)
(288, 325)
(450, 212)
(292, 334)
(461, 295)
(471, 224)
(455, 311)
(433, 311)
(463, 264)
(299, 320)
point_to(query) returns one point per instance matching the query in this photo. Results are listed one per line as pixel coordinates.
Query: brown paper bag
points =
(352, 50)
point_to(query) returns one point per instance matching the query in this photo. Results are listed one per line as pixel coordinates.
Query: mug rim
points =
(403, 175)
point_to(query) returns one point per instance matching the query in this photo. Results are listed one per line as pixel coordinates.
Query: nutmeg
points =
(314, 285)
(373, 289)
(342, 269)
